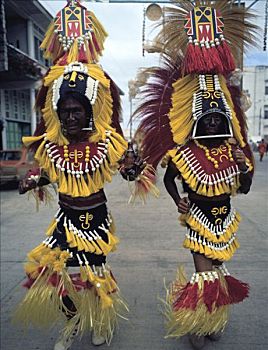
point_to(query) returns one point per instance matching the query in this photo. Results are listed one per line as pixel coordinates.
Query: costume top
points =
(208, 171)
(79, 169)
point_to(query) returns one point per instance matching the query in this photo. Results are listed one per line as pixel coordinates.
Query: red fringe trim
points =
(63, 60)
(91, 49)
(226, 57)
(217, 63)
(193, 61)
(52, 44)
(210, 293)
(223, 298)
(218, 60)
(187, 297)
(28, 284)
(55, 280)
(209, 67)
(41, 194)
(238, 290)
(82, 57)
(213, 294)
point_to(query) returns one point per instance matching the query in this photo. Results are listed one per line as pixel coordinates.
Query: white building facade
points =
(255, 85)
(23, 24)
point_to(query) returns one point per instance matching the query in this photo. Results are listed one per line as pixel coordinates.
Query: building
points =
(255, 85)
(23, 25)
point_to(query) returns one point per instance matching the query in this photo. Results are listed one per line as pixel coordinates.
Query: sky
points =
(122, 55)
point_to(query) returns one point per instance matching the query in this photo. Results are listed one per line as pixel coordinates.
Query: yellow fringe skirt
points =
(211, 229)
(80, 240)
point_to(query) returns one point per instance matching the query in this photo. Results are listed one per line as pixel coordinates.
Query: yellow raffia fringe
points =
(222, 255)
(97, 247)
(58, 51)
(199, 321)
(102, 109)
(235, 123)
(203, 189)
(206, 233)
(180, 115)
(78, 187)
(41, 305)
(91, 316)
(97, 307)
(48, 197)
(144, 185)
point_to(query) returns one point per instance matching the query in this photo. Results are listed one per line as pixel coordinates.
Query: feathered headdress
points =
(200, 43)
(74, 42)
(211, 35)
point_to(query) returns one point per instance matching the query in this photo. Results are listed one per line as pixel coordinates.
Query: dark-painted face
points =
(73, 117)
(211, 124)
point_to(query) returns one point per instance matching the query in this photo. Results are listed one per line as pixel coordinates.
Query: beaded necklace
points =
(70, 161)
(216, 151)
(76, 154)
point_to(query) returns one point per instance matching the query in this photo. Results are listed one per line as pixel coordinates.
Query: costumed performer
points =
(192, 117)
(78, 145)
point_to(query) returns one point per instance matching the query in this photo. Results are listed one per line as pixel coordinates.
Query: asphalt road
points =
(150, 251)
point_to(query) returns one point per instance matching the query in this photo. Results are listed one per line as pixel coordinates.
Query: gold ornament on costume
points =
(217, 151)
(219, 211)
(85, 219)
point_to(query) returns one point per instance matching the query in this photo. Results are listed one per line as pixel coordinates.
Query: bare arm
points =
(245, 177)
(172, 172)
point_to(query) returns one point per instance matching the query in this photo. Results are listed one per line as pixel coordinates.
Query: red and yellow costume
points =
(192, 83)
(82, 233)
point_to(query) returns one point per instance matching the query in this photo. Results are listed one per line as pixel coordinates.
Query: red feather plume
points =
(153, 112)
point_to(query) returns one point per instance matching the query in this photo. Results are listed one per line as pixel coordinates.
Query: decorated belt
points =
(82, 203)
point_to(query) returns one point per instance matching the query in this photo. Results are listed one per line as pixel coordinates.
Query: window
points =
(266, 87)
(37, 52)
(38, 38)
(15, 131)
(18, 105)
(266, 112)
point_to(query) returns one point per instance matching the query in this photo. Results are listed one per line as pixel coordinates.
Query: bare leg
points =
(69, 309)
(65, 341)
(202, 264)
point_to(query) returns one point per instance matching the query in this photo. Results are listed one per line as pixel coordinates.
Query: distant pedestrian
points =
(262, 148)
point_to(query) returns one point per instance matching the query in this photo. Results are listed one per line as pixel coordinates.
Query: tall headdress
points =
(74, 35)
(201, 43)
(74, 42)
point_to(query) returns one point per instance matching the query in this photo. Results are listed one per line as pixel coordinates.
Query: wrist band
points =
(245, 171)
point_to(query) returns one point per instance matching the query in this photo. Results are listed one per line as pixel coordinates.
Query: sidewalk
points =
(150, 250)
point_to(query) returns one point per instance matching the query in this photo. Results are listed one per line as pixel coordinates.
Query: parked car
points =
(14, 163)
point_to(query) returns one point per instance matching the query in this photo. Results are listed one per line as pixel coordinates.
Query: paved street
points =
(150, 251)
